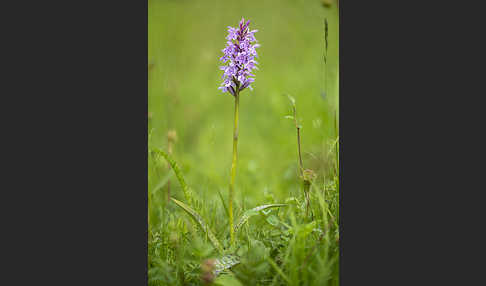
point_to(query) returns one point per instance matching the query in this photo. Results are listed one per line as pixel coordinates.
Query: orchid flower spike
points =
(239, 58)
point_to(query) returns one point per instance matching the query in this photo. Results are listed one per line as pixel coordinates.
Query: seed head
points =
(207, 270)
(172, 136)
(308, 176)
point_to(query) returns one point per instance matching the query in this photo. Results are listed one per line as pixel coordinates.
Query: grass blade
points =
(177, 171)
(224, 203)
(195, 216)
(279, 271)
(254, 211)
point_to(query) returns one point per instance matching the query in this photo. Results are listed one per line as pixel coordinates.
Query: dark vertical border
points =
(406, 109)
(76, 163)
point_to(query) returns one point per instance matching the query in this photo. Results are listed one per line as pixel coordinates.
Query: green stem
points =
(306, 187)
(233, 166)
(298, 141)
(300, 154)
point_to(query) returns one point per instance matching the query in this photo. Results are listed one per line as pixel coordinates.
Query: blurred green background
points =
(185, 39)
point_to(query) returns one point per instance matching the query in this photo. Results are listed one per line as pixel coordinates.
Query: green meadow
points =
(293, 242)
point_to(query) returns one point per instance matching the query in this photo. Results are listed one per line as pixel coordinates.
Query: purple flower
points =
(239, 56)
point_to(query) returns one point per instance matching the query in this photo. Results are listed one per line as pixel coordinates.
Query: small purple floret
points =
(239, 57)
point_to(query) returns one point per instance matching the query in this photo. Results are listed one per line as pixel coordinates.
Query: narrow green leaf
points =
(225, 262)
(279, 271)
(177, 171)
(224, 203)
(254, 211)
(292, 99)
(273, 220)
(195, 216)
